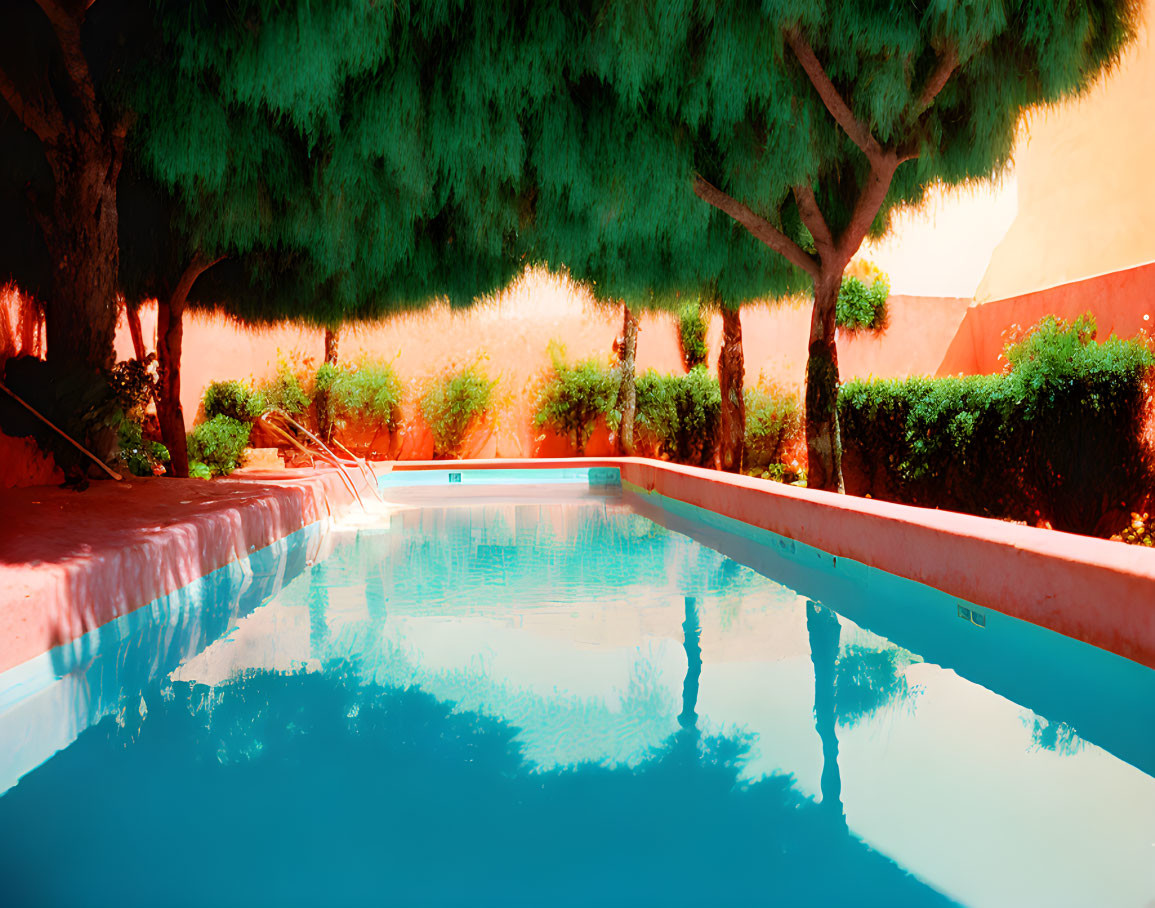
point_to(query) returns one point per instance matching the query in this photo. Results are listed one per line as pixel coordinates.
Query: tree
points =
(805, 123)
(331, 192)
(64, 147)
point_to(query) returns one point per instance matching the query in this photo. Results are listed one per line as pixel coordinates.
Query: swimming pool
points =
(501, 692)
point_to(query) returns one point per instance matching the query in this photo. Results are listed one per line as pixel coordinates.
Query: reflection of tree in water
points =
(867, 680)
(274, 789)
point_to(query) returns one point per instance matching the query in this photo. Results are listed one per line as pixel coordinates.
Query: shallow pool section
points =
(573, 694)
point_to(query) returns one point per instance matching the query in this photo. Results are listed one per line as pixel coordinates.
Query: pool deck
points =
(70, 562)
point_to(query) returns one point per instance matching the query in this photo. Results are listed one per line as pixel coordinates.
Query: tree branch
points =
(813, 219)
(866, 208)
(45, 123)
(761, 229)
(944, 68)
(66, 22)
(858, 132)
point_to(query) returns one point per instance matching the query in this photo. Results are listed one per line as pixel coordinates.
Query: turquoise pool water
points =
(569, 694)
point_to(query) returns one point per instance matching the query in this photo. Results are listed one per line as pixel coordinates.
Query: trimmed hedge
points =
(1058, 438)
(680, 413)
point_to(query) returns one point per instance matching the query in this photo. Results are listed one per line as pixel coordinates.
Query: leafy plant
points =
(283, 392)
(219, 444)
(572, 397)
(692, 336)
(680, 413)
(773, 420)
(451, 405)
(198, 470)
(233, 399)
(1056, 439)
(140, 456)
(367, 391)
(862, 308)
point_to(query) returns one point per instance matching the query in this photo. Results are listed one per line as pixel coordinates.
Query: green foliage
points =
(369, 391)
(233, 399)
(572, 397)
(219, 444)
(1058, 438)
(692, 336)
(680, 413)
(451, 405)
(133, 383)
(284, 393)
(140, 456)
(198, 470)
(862, 308)
(772, 422)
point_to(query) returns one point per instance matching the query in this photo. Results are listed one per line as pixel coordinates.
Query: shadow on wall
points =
(22, 463)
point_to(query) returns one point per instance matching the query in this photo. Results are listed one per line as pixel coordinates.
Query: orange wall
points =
(1122, 302)
(22, 331)
(511, 336)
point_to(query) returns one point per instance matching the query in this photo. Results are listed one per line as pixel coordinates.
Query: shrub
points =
(198, 470)
(452, 403)
(140, 456)
(233, 399)
(692, 336)
(862, 308)
(219, 444)
(773, 420)
(680, 413)
(283, 392)
(367, 391)
(572, 397)
(1058, 438)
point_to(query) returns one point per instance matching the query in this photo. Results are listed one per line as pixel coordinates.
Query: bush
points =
(1057, 439)
(451, 405)
(219, 444)
(773, 420)
(368, 391)
(572, 397)
(139, 456)
(284, 392)
(198, 470)
(862, 308)
(692, 336)
(233, 399)
(680, 414)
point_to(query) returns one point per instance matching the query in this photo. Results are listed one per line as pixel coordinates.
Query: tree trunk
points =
(823, 631)
(80, 313)
(169, 337)
(823, 440)
(132, 316)
(321, 403)
(628, 390)
(732, 418)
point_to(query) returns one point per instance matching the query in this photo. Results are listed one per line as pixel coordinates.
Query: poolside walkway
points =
(70, 561)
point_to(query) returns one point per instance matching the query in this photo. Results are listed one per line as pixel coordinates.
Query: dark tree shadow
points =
(316, 789)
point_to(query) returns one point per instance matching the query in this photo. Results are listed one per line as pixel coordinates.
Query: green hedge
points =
(680, 413)
(1057, 438)
(772, 422)
(692, 336)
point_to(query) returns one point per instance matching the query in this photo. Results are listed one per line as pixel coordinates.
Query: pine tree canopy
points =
(648, 95)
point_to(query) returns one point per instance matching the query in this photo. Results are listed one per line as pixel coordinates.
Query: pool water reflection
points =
(570, 703)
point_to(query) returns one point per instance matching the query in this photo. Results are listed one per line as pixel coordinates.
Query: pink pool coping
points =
(70, 562)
